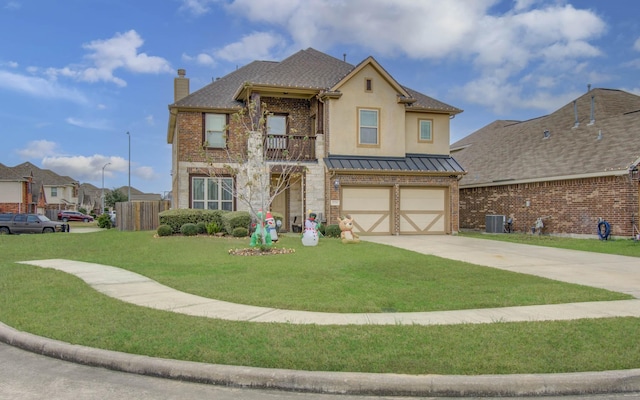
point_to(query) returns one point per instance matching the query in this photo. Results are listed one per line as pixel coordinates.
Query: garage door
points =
(370, 208)
(423, 210)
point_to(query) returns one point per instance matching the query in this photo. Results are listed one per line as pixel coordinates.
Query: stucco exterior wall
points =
(572, 207)
(440, 133)
(343, 123)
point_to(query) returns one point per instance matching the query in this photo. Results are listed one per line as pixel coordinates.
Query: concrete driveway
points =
(612, 272)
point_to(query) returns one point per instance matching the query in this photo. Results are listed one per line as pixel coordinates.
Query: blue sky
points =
(77, 75)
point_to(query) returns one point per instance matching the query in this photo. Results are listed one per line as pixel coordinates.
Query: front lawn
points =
(365, 277)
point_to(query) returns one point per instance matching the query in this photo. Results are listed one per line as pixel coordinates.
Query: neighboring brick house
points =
(15, 192)
(373, 148)
(50, 191)
(571, 167)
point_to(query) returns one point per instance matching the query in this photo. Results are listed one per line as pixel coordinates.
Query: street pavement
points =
(616, 273)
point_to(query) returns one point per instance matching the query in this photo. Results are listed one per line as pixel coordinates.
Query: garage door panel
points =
(422, 210)
(370, 208)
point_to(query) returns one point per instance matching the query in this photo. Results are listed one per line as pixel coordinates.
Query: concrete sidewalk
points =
(609, 272)
(139, 290)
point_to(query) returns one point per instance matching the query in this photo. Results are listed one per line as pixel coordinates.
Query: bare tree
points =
(264, 164)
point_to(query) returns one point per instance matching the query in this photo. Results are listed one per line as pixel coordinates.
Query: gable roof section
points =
(7, 174)
(506, 152)
(372, 62)
(417, 163)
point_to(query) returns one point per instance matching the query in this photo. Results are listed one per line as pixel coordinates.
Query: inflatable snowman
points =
(310, 234)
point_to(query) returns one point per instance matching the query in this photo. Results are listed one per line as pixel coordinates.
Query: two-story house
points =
(371, 148)
(50, 192)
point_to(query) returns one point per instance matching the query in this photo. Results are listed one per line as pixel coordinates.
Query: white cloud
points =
(200, 59)
(150, 120)
(145, 173)
(534, 37)
(197, 7)
(636, 45)
(10, 64)
(86, 168)
(107, 56)
(93, 124)
(12, 5)
(39, 87)
(256, 46)
(37, 149)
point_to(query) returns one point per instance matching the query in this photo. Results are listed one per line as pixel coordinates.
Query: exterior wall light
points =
(336, 184)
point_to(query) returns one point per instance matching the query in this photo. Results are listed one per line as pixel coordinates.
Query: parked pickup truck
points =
(28, 223)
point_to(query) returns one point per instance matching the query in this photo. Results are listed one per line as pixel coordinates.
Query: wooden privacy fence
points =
(140, 215)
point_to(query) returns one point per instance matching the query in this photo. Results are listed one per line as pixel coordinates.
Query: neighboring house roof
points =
(410, 163)
(41, 178)
(552, 147)
(7, 174)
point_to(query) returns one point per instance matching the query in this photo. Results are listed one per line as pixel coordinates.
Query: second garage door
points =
(423, 210)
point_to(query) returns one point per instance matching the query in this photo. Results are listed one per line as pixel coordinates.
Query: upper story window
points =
(215, 130)
(368, 122)
(425, 130)
(277, 131)
(54, 192)
(212, 193)
(368, 85)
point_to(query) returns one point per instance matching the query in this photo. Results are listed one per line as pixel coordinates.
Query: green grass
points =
(623, 247)
(331, 277)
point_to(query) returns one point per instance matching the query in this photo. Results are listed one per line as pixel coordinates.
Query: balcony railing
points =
(290, 147)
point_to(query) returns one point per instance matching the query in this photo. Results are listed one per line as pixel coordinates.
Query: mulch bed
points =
(256, 251)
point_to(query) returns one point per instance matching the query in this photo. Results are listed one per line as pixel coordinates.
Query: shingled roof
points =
(9, 175)
(307, 69)
(553, 147)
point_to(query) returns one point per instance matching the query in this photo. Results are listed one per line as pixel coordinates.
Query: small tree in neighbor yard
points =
(113, 197)
(264, 165)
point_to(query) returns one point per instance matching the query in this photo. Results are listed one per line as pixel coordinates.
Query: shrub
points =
(189, 229)
(213, 228)
(165, 230)
(104, 221)
(332, 230)
(178, 217)
(240, 232)
(202, 227)
(234, 219)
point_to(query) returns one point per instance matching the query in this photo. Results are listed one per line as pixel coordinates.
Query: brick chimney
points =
(180, 86)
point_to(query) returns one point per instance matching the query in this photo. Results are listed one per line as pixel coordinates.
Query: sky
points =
(85, 85)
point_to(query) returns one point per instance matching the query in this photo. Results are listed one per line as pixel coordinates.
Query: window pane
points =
(198, 189)
(227, 206)
(212, 205)
(215, 139)
(215, 130)
(369, 118)
(368, 136)
(425, 130)
(276, 124)
(212, 193)
(198, 205)
(215, 122)
(227, 188)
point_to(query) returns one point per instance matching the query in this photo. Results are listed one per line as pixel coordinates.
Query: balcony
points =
(290, 148)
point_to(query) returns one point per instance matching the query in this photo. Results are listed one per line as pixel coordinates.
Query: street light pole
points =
(129, 193)
(105, 166)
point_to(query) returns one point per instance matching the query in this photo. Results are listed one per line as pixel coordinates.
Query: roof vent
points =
(600, 134)
(593, 117)
(547, 134)
(576, 122)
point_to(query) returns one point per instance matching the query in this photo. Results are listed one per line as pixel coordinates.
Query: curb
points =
(351, 383)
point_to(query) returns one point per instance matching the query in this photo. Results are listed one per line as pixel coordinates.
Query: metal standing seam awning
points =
(410, 163)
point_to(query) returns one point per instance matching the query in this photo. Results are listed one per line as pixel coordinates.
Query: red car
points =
(74, 216)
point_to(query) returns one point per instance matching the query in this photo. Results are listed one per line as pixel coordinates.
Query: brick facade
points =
(572, 207)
